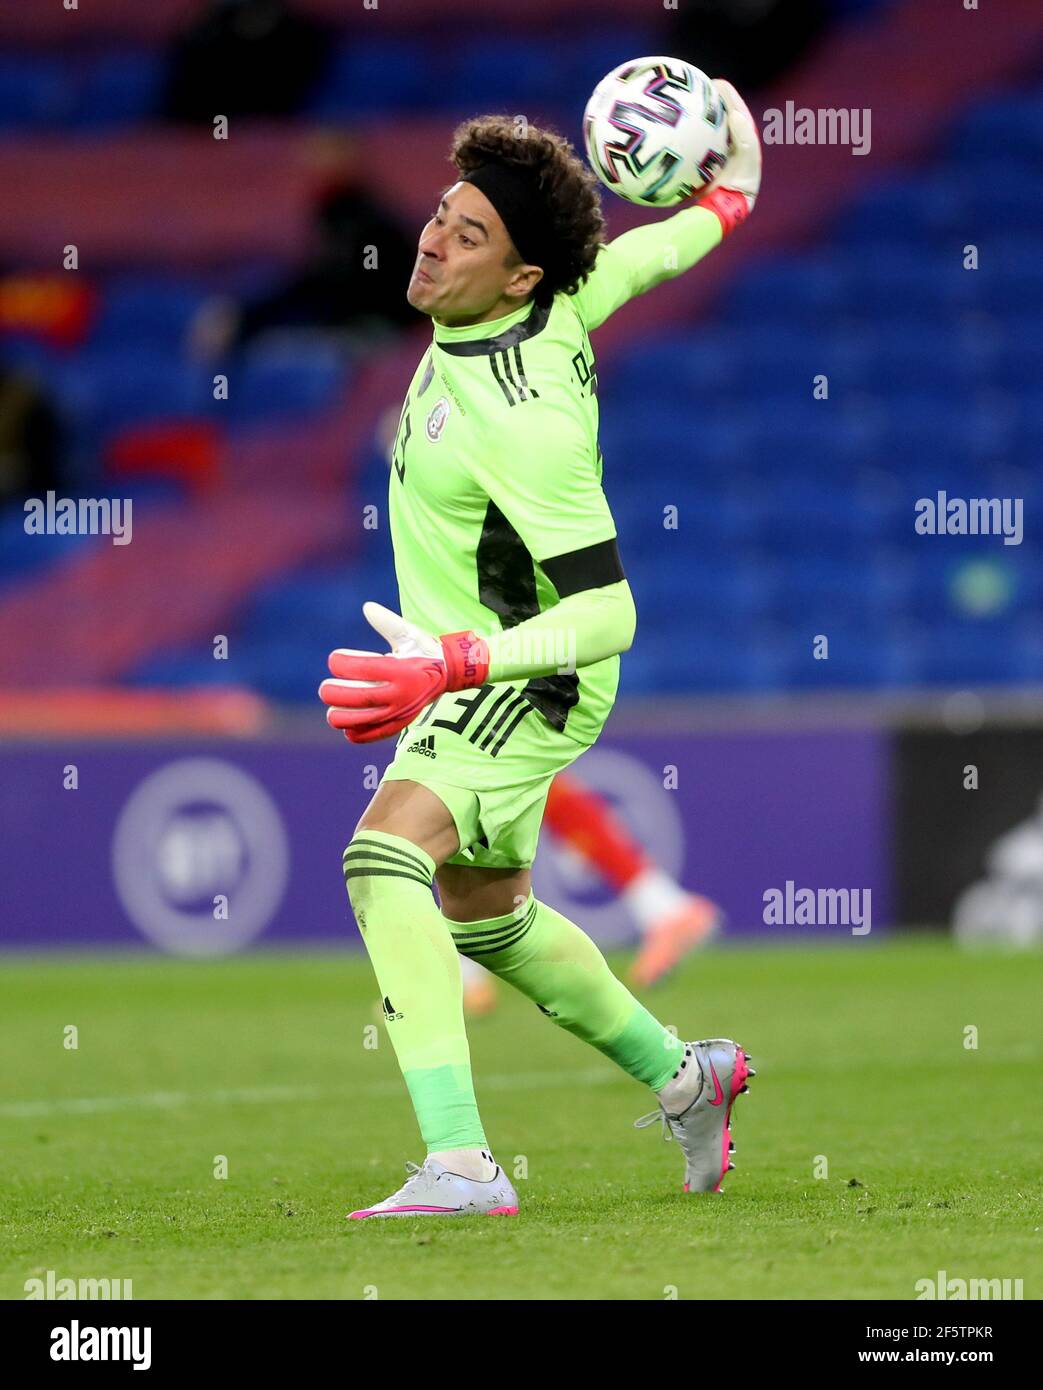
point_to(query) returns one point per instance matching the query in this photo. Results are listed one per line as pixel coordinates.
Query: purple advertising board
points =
(211, 846)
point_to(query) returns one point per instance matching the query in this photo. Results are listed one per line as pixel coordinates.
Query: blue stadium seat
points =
(147, 310)
(791, 288)
(374, 75)
(118, 87)
(508, 72)
(299, 378)
(35, 91)
(1009, 120)
(980, 653)
(21, 553)
(103, 390)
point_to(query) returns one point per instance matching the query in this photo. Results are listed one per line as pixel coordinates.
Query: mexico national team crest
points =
(436, 420)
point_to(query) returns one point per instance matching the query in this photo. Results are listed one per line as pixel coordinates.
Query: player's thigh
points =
(416, 814)
(471, 894)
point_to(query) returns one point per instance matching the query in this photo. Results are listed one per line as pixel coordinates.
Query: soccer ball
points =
(656, 131)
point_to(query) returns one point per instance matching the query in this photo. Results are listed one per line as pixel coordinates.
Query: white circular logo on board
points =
(194, 831)
(637, 796)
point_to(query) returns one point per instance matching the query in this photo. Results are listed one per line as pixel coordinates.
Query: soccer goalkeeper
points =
(504, 664)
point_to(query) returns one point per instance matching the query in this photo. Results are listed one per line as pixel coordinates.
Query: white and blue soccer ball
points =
(656, 131)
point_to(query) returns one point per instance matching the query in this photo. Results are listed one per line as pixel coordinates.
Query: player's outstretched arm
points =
(646, 256)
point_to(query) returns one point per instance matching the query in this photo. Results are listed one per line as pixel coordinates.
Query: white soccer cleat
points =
(432, 1190)
(703, 1128)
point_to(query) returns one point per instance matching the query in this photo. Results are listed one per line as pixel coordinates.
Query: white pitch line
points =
(265, 1095)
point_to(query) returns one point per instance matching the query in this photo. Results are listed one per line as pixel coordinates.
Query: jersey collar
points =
(483, 339)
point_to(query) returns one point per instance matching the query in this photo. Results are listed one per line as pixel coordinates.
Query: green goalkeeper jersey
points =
(496, 501)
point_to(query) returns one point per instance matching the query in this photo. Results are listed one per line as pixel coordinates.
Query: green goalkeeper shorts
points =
(490, 756)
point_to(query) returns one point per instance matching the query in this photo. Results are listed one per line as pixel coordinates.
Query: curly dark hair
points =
(571, 191)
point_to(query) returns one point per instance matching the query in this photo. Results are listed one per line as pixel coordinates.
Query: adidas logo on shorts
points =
(426, 746)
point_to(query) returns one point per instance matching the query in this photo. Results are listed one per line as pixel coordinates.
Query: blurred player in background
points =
(334, 291)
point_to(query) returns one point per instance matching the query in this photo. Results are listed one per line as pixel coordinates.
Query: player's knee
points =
(373, 865)
(361, 864)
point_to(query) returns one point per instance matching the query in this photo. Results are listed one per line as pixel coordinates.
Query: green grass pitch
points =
(110, 1148)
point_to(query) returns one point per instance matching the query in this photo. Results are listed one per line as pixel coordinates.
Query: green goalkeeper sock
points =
(418, 970)
(557, 965)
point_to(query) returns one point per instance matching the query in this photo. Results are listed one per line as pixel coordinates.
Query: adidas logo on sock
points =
(426, 746)
(390, 1012)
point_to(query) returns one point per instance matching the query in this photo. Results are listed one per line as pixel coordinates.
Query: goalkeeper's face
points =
(467, 270)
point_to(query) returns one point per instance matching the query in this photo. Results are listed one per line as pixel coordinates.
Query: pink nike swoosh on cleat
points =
(374, 1211)
(718, 1095)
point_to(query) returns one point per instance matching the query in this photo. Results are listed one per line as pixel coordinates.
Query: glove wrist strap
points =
(729, 207)
(466, 660)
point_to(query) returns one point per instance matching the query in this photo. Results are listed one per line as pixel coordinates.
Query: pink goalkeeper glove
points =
(373, 696)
